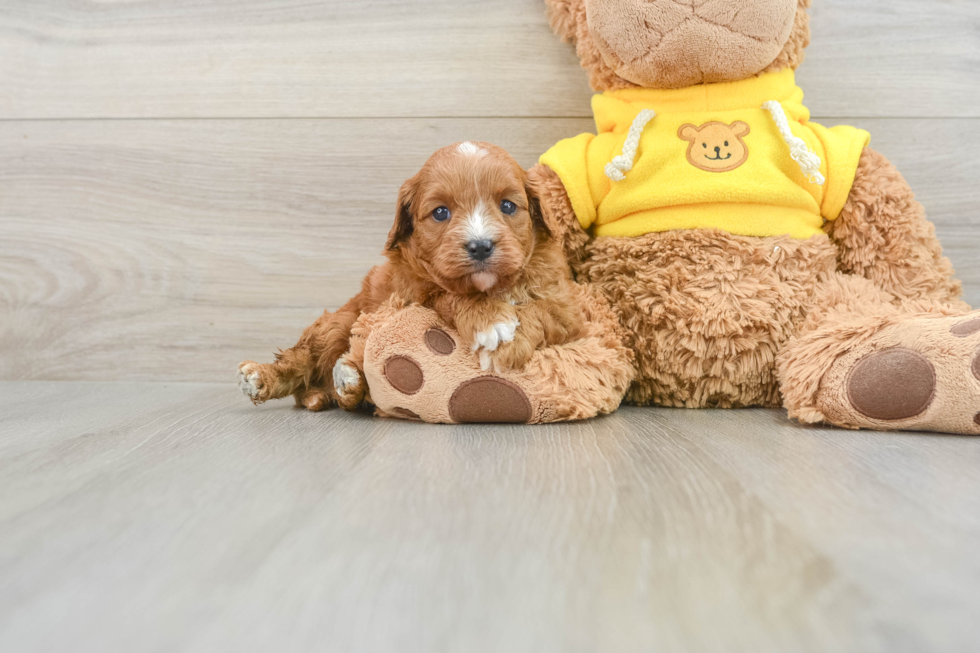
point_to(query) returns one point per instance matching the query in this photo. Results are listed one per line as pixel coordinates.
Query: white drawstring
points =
(624, 162)
(808, 161)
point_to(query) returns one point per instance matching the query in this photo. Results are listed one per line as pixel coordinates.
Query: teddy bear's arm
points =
(883, 235)
(557, 212)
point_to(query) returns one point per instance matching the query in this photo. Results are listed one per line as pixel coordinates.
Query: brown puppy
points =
(468, 241)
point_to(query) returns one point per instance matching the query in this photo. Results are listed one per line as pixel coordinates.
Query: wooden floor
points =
(186, 184)
(177, 517)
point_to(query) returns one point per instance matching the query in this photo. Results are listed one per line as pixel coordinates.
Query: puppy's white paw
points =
(249, 380)
(488, 340)
(346, 378)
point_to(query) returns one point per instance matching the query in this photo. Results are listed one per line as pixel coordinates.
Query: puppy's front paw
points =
(348, 384)
(251, 383)
(513, 356)
(489, 340)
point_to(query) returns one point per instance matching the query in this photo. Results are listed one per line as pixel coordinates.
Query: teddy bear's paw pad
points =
(893, 384)
(405, 413)
(966, 329)
(439, 342)
(404, 374)
(489, 399)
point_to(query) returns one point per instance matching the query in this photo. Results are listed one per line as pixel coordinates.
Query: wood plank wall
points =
(185, 184)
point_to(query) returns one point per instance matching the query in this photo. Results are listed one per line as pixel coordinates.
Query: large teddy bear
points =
(751, 257)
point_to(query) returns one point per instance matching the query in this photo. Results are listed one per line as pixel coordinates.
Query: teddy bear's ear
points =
(793, 52)
(403, 226)
(565, 16)
(740, 128)
(688, 132)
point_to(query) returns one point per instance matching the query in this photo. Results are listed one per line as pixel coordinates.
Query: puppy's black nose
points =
(479, 250)
(717, 150)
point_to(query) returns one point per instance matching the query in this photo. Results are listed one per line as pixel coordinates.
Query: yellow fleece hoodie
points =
(711, 157)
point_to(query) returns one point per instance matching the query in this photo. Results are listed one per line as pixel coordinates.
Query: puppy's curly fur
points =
(469, 241)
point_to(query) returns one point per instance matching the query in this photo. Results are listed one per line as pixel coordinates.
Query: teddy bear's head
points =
(668, 44)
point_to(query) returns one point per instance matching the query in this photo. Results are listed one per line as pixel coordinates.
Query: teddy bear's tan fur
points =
(692, 356)
(570, 21)
(721, 320)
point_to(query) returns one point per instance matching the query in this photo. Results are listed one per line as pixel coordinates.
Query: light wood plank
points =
(171, 250)
(887, 58)
(204, 524)
(390, 58)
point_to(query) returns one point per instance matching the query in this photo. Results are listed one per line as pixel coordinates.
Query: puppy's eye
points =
(508, 207)
(726, 143)
(441, 214)
(705, 145)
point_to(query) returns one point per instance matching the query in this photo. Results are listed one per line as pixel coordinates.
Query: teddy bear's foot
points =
(430, 376)
(418, 368)
(921, 374)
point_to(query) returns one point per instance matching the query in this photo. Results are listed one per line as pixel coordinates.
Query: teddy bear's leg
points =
(419, 368)
(883, 235)
(861, 361)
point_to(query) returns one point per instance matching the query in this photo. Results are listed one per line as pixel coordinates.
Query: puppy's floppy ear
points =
(403, 226)
(533, 187)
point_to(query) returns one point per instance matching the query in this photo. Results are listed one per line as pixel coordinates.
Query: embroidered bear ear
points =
(741, 129)
(689, 132)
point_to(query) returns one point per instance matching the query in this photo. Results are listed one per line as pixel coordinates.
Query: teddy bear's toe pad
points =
(490, 399)
(404, 374)
(405, 413)
(439, 342)
(966, 329)
(892, 384)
